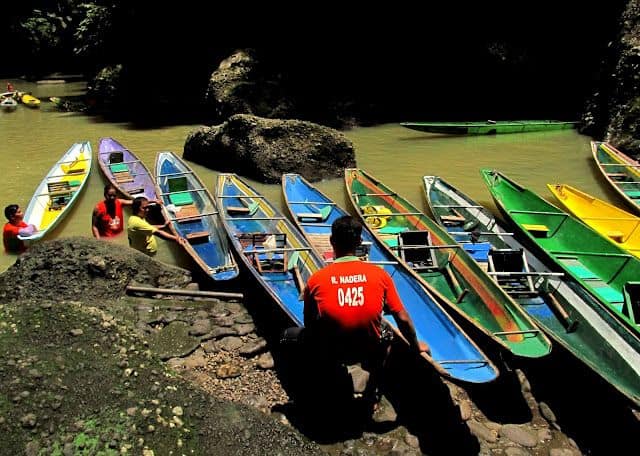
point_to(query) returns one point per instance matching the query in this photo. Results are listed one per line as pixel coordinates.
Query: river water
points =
(33, 139)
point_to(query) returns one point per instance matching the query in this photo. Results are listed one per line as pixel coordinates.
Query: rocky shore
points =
(86, 369)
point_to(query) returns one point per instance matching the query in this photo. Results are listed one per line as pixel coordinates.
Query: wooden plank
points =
(172, 291)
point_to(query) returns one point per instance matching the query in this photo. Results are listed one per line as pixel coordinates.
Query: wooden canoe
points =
(602, 268)
(612, 150)
(59, 190)
(193, 214)
(28, 100)
(557, 303)
(623, 176)
(277, 255)
(615, 224)
(453, 354)
(488, 127)
(8, 103)
(447, 270)
(125, 170)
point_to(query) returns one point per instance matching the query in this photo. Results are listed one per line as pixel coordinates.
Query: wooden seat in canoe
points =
(507, 260)
(617, 175)
(452, 219)
(409, 243)
(319, 216)
(188, 213)
(270, 261)
(123, 177)
(615, 235)
(247, 208)
(116, 157)
(235, 210)
(197, 237)
(539, 231)
(320, 241)
(456, 218)
(58, 188)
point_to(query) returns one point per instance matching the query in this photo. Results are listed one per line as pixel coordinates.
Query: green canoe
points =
(489, 127)
(444, 268)
(609, 273)
(557, 303)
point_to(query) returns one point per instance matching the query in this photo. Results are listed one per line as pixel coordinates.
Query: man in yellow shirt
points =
(141, 233)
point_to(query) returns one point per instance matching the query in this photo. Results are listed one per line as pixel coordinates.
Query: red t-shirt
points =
(10, 238)
(349, 296)
(109, 226)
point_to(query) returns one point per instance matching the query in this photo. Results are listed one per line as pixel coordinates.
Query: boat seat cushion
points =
(392, 229)
(633, 193)
(581, 271)
(609, 294)
(118, 168)
(181, 198)
(479, 251)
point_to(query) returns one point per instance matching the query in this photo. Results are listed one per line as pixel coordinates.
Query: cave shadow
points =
(587, 408)
(424, 406)
(501, 400)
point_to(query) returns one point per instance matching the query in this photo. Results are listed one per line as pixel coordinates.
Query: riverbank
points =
(86, 367)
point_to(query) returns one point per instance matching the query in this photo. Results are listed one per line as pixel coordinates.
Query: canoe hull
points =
(132, 178)
(488, 127)
(447, 341)
(622, 176)
(58, 192)
(612, 223)
(194, 216)
(258, 226)
(449, 272)
(594, 262)
(596, 338)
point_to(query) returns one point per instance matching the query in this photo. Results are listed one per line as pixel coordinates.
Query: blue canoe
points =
(194, 216)
(558, 304)
(272, 249)
(453, 353)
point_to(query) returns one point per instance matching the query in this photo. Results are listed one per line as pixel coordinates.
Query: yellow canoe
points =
(29, 100)
(617, 225)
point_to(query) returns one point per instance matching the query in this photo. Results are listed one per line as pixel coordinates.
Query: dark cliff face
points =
(373, 64)
(613, 110)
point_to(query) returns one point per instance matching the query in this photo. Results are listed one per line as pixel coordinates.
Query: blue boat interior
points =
(450, 347)
(194, 218)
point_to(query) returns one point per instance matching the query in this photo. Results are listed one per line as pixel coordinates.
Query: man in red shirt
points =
(107, 219)
(13, 228)
(343, 305)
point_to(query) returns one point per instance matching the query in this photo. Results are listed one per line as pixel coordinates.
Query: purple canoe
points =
(125, 171)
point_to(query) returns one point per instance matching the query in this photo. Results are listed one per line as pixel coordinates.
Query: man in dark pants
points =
(343, 306)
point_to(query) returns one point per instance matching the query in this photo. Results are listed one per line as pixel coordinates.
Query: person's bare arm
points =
(169, 236)
(409, 332)
(94, 224)
(125, 202)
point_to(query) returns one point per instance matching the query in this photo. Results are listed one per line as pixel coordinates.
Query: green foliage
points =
(43, 30)
(94, 26)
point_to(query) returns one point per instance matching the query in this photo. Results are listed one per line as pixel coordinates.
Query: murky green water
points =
(31, 140)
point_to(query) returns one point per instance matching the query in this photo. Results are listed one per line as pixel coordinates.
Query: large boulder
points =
(264, 149)
(242, 85)
(84, 268)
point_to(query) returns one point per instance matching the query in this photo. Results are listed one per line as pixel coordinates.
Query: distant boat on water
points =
(488, 127)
